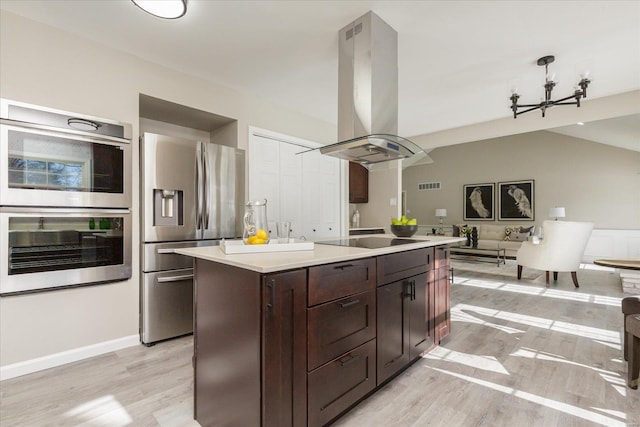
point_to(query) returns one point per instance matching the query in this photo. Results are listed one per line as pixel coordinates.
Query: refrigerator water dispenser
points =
(168, 207)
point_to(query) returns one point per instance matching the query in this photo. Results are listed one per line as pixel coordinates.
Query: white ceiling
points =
(458, 60)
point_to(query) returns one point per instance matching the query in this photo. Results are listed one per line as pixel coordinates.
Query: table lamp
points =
(556, 212)
(441, 213)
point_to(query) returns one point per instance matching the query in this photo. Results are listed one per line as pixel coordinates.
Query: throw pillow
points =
(509, 229)
(457, 229)
(528, 230)
(519, 237)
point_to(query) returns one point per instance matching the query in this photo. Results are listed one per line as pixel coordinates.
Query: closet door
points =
(264, 175)
(290, 187)
(301, 188)
(321, 195)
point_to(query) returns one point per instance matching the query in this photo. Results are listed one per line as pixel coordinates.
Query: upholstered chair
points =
(630, 305)
(561, 250)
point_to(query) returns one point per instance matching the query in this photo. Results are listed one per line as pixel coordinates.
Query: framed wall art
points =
(478, 201)
(516, 201)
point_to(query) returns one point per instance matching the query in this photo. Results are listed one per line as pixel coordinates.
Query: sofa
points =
(499, 236)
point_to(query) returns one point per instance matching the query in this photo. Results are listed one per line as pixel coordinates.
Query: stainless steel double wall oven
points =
(65, 199)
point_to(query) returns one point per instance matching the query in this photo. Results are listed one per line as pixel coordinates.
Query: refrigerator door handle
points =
(206, 189)
(199, 188)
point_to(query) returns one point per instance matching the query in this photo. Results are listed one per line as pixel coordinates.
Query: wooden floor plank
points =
(518, 354)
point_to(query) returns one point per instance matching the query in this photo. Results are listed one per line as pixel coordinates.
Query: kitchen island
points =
(298, 338)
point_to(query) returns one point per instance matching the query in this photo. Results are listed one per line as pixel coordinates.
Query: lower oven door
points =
(48, 248)
(166, 305)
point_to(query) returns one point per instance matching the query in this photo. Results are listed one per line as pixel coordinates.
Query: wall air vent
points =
(429, 186)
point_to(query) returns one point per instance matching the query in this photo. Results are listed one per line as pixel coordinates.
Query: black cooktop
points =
(369, 242)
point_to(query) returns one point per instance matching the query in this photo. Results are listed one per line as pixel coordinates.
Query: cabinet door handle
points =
(350, 360)
(272, 297)
(407, 291)
(342, 267)
(349, 304)
(413, 290)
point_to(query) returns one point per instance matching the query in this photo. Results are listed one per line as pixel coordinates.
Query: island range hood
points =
(368, 95)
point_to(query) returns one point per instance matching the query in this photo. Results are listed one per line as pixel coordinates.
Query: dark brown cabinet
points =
(341, 350)
(405, 327)
(337, 385)
(250, 347)
(358, 183)
(332, 281)
(339, 326)
(442, 304)
(442, 289)
(284, 349)
(300, 347)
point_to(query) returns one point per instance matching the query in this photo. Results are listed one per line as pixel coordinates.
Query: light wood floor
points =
(518, 355)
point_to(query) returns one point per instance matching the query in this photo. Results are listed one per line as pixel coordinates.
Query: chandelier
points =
(580, 92)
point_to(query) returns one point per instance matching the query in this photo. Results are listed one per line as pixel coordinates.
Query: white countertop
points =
(321, 254)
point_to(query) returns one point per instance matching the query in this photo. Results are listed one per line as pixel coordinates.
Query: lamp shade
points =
(556, 213)
(441, 212)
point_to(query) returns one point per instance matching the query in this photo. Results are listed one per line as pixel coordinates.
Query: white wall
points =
(46, 66)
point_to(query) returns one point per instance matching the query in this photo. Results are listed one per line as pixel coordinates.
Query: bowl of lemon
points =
(404, 227)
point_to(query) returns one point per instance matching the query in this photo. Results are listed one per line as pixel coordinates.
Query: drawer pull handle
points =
(342, 267)
(174, 278)
(350, 303)
(350, 360)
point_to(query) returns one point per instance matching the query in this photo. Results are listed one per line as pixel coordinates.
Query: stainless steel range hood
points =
(368, 94)
(373, 148)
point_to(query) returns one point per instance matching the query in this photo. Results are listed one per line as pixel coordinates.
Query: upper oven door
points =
(44, 167)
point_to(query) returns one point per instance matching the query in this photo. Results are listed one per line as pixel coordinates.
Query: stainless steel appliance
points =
(368, 95)
(65, 199)
(60, 159)
(192, 194)
(47, 248)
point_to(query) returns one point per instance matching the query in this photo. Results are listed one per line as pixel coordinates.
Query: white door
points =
(321, 195)
(264, 175)
(291, 187)
(301, 188)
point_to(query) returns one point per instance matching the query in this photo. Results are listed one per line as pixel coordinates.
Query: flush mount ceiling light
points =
(167, 9)
(580, 92)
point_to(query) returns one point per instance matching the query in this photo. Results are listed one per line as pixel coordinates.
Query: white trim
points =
(68, 356)
(265, 133)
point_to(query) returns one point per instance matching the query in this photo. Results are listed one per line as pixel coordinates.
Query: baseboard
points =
(62, 358)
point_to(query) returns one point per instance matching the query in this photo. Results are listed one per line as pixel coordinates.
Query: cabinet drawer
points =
(442, 257)
(341, 279)
(338, 326)
(340, 383)
(398, 266)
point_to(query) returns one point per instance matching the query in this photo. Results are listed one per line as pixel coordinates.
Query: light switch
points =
(393, 201)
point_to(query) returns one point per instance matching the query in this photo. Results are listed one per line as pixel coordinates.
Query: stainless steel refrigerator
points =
(192, 194)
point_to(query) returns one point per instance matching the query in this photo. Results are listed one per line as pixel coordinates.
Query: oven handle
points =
(37, 210)
(174, 278)
(55, 131)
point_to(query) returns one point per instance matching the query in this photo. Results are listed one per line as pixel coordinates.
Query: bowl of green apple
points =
(404, 227)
